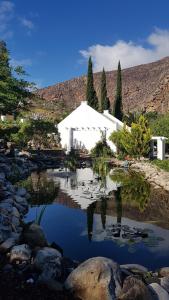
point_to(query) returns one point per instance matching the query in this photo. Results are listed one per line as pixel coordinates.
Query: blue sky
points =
(53, 39)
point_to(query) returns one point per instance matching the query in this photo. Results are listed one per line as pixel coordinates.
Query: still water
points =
(89, 213)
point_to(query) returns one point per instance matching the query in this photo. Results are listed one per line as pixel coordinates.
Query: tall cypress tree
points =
(118, 110)
(91, 96)
(105, 102)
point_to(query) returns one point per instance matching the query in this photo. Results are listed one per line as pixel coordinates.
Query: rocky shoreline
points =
(31, 268)
(152, 174)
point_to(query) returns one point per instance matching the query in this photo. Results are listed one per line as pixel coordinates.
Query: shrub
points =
(102, 149)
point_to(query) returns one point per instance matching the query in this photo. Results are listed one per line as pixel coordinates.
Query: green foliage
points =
(162, 164)
(134, 142)
(118, 109)
(105, 102)
(42, 190)
(14, 90)
(160, 126)
(137, 194)
(102, 149)
(91, 96)
(36, 131)
(7, 128)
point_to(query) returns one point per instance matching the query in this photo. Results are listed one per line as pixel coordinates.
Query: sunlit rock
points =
(97, 278)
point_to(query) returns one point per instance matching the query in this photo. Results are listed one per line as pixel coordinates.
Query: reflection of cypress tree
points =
(103, 209)
(118, 204)
(90, 213)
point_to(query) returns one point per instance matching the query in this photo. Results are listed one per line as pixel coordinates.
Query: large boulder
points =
(134, 289)
(97, 278)
(33, 235)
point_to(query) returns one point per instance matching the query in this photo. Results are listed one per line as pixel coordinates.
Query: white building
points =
(84, 127)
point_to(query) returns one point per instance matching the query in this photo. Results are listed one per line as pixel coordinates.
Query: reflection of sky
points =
(68, 228)
(82, 186)
(158, 237)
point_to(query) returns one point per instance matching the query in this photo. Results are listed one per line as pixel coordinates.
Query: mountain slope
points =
(145, 87)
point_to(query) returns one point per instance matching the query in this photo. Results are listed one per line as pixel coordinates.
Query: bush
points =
(134, 142)
(160, 126)
(37, 133)
(102, 149)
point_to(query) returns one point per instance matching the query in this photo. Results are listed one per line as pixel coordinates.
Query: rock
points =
(15, 212)
(2, 176)
(20, 200)
(21, 192)
(164, 272)
(33, 235)
(134, 289)
(134, 268)
(7, 245)
(45, 256)
(164, 282)
(158, 292)
(52, 270)
(97, 278)
(20, 253)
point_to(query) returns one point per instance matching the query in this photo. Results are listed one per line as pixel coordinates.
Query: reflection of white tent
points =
(82, 186)
(83, 128)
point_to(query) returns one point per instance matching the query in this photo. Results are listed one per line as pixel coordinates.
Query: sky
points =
(53, 39)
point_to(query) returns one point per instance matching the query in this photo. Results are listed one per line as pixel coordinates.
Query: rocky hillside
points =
(145, 87)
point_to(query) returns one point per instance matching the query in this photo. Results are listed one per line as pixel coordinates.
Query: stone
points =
(52, 270)
(15, 212)
(97, 278)
(34, 236)
(20, 253)
(135, 268)
(20, 200)
(158, 292)
(164, 282)
(45, 256)
(21, 192)
(164, 272)
(134, 289)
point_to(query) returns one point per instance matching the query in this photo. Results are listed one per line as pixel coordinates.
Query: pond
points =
(101, 212)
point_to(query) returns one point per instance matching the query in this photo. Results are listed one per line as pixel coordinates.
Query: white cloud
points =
(25, 62)
(27, 23)
(129, 53)
(6, 14)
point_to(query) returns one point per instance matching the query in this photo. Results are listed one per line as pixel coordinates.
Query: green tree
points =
(134, 142)
(14, 90)
(91, 96)
(118, 110)
(38, 132)
(160, 126)
(104, 100)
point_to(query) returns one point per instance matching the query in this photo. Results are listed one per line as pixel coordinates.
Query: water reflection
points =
(135, 190)
(87, 215)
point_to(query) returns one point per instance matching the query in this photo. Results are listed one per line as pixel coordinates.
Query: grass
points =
(162, 164)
